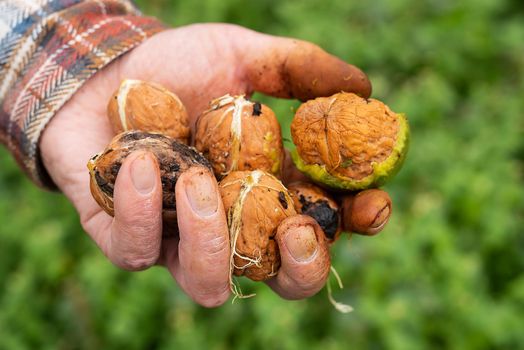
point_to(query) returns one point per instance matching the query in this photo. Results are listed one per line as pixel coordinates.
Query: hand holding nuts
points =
(343, 142)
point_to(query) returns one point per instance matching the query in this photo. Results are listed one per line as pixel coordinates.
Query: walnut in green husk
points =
(255, 202)
(315, 202)
(238, 134)
(348, 142)
(173, 159)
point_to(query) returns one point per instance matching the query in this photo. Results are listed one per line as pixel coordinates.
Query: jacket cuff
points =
(52, 55)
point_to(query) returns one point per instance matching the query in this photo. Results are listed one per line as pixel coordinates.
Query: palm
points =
(81, 129)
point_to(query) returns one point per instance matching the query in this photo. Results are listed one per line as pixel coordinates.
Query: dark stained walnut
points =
(311, 200)
(173, 159)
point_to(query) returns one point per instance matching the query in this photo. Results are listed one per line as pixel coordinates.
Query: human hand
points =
(198, 63)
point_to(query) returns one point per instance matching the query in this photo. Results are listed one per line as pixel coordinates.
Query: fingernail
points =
(202, 194)
(143, 173)
(301, 243)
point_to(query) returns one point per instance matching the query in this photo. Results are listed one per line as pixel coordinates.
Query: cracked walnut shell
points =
(349, 142)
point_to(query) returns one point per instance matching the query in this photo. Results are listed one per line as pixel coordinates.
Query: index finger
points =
(203, 249)
(291, 68)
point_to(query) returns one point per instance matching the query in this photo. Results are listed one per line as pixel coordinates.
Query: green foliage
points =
(447, 273)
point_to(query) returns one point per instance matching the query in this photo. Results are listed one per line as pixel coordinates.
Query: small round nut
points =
(237, 134)
(173, 159)
(348, 142)
(311, 200)
(255, 202)
(367, 212)
(146, 106)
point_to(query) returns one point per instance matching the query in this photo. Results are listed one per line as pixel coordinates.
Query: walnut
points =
(146, 106)
(173, 159)
(313, 201)
(255, 202)
(238, 134)
(348, 142)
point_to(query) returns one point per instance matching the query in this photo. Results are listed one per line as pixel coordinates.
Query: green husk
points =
(382, 172)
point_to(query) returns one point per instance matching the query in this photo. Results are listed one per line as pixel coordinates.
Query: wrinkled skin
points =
(205, 61)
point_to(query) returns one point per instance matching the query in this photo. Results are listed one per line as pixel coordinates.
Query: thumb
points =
(305, 258)
(133, 242)
(203, 250)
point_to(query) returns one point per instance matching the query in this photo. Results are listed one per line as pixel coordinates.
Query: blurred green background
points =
(447, 272)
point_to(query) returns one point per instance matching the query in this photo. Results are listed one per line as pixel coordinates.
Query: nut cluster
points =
(343, 142)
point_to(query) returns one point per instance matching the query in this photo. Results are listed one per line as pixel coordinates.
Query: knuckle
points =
(134, 255)
(213, 299)
(215, 247)
(140, 226)
(136, 263)
(307, 285)
(314, 284)
(136, 230)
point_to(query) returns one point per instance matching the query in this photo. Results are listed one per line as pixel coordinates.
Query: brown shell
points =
(311, 200)
(237, 134)
(255, 202)
(150, 107)
(345, 133)
(367, 212)
(173, 159)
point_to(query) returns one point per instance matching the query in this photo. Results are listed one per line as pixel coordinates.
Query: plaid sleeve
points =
(48, 49)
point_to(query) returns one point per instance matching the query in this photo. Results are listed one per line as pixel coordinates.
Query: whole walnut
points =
(238, 134)
(173, 159)
(349, 142)
(255, 202)
(146, 106)
(311, 200)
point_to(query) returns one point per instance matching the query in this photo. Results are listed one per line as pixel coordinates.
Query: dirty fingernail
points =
(143, 173)
(202, 194)
(301, 243)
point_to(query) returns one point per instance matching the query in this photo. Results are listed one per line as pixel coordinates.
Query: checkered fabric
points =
(48, 49)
